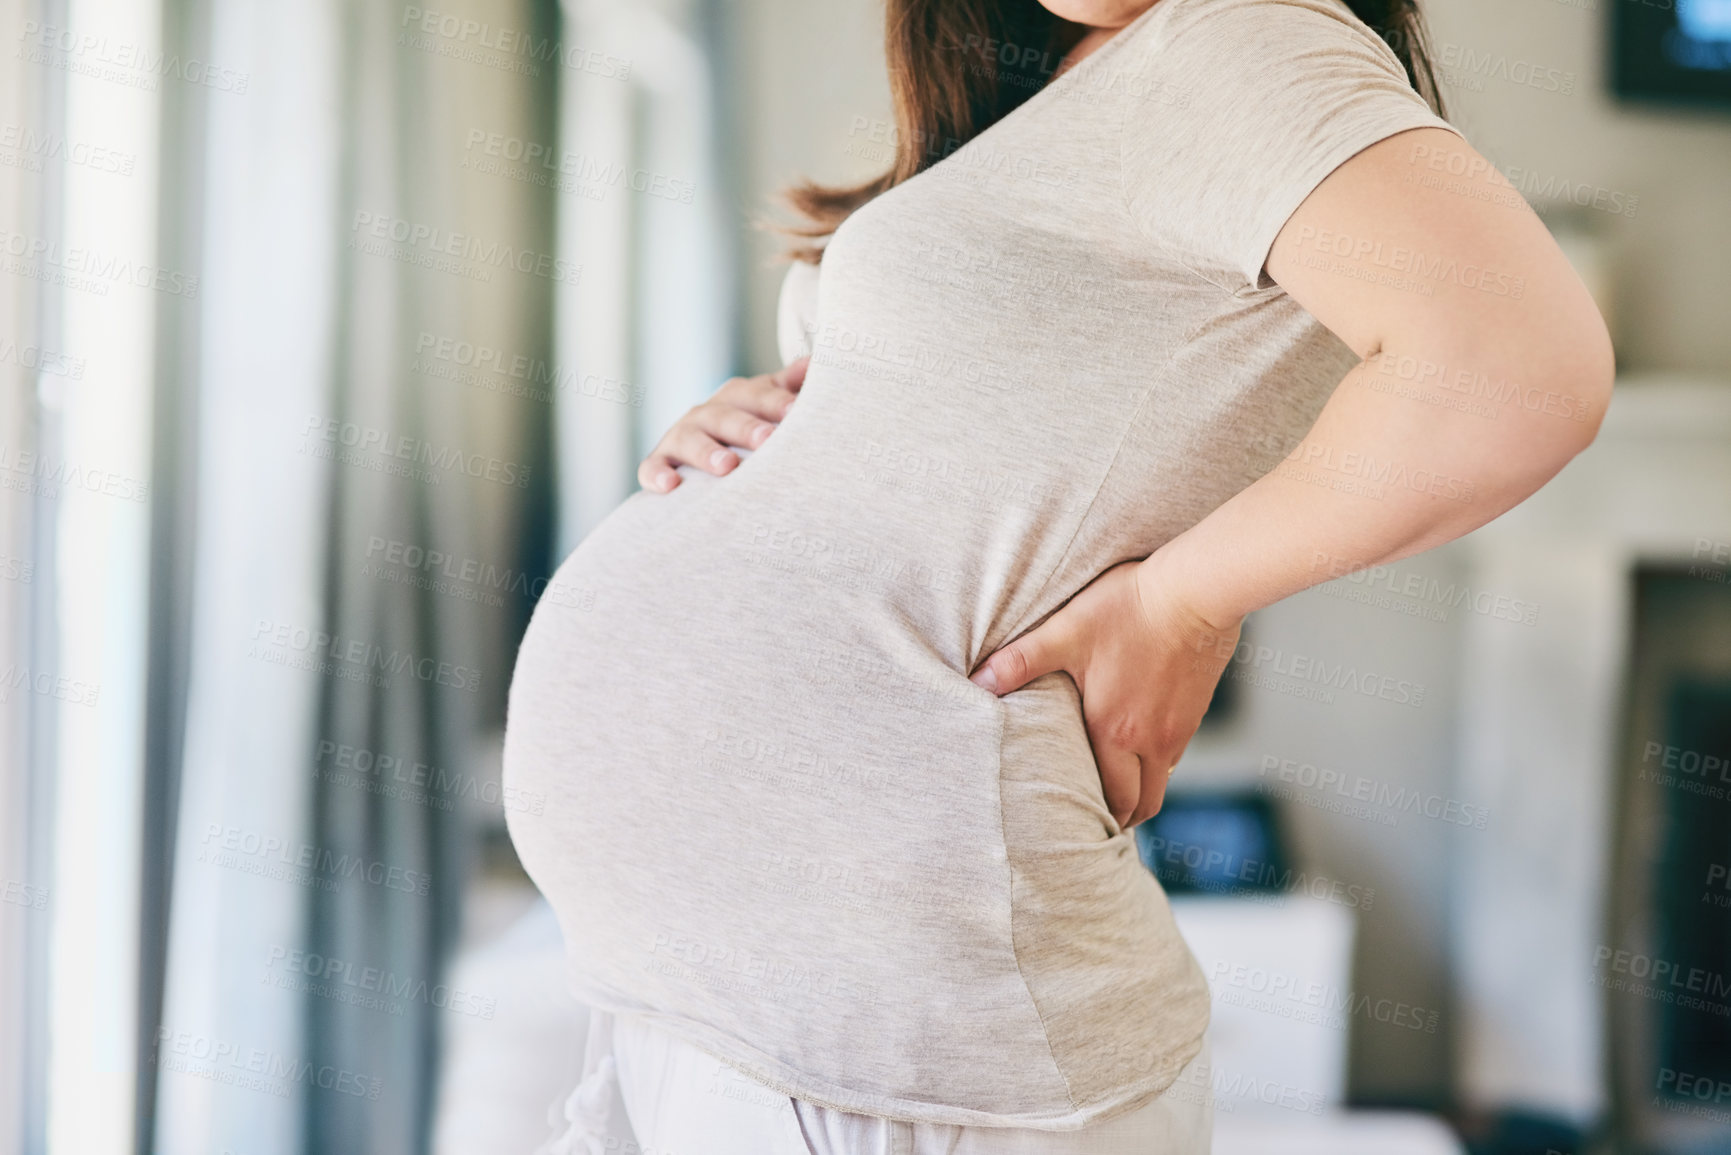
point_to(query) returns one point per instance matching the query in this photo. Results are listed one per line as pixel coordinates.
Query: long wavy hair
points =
(950, 82)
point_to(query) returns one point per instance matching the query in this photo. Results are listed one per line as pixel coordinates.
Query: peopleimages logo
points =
(374, 988)
(23, 894)
(222, 845)
(858, 351)
(385, 558)
(418, 781)
(1470, 68)
(1690, 762)
(1304, 668)
(36, 146)
(1443, 595)
(1662, 980)
(585, 170)
(39, 474)
(1358, 788)
(1414, 262)
(73, 690)
(463, 32)
(253, 1068)
(1474, 384)
(433, 242)
(87, 269)
(1214, 863)
(132, 64)
(458, 355)
(41, 360)
(728, 967)
(1688, 1086)
(1373, 476)
(1290, 996)
(363, 439)
(271, 637)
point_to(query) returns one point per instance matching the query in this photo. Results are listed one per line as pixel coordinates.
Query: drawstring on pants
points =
(593, 1115)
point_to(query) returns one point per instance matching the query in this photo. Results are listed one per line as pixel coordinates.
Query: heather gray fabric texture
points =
(776, 816)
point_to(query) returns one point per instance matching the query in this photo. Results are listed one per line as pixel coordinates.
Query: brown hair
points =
(949, 81)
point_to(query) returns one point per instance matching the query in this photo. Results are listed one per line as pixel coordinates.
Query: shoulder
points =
(1267, 97)
(1255, 33)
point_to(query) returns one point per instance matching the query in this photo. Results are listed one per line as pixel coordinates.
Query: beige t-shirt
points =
(778, 817)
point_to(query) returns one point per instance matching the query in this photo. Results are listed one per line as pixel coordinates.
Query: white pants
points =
(646, 1092)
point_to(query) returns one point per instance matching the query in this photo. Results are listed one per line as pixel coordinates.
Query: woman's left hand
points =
(1145, 665)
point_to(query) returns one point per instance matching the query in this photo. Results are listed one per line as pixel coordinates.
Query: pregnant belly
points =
(737, 701)
(757, 790)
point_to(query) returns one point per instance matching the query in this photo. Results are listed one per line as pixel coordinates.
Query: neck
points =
(1091, 39)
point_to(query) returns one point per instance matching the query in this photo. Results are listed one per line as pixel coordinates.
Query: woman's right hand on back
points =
(742, 413)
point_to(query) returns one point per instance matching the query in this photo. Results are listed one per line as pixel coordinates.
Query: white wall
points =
(810, 69)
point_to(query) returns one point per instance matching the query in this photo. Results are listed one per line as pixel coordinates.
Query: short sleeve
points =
(1252, 103)
(796, 311)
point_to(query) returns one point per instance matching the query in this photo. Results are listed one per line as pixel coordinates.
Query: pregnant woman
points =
(1166, 311)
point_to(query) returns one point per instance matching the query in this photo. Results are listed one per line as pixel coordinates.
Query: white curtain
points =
(267, 331)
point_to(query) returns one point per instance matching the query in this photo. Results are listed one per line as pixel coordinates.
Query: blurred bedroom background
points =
(328, 328)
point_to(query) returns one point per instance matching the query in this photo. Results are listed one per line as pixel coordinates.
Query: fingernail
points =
(986, 678)
(760, 434)
(719, 459)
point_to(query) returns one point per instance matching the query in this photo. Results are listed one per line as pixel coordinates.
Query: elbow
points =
(1554, 383)
(1587, 365)
(1569, 368)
